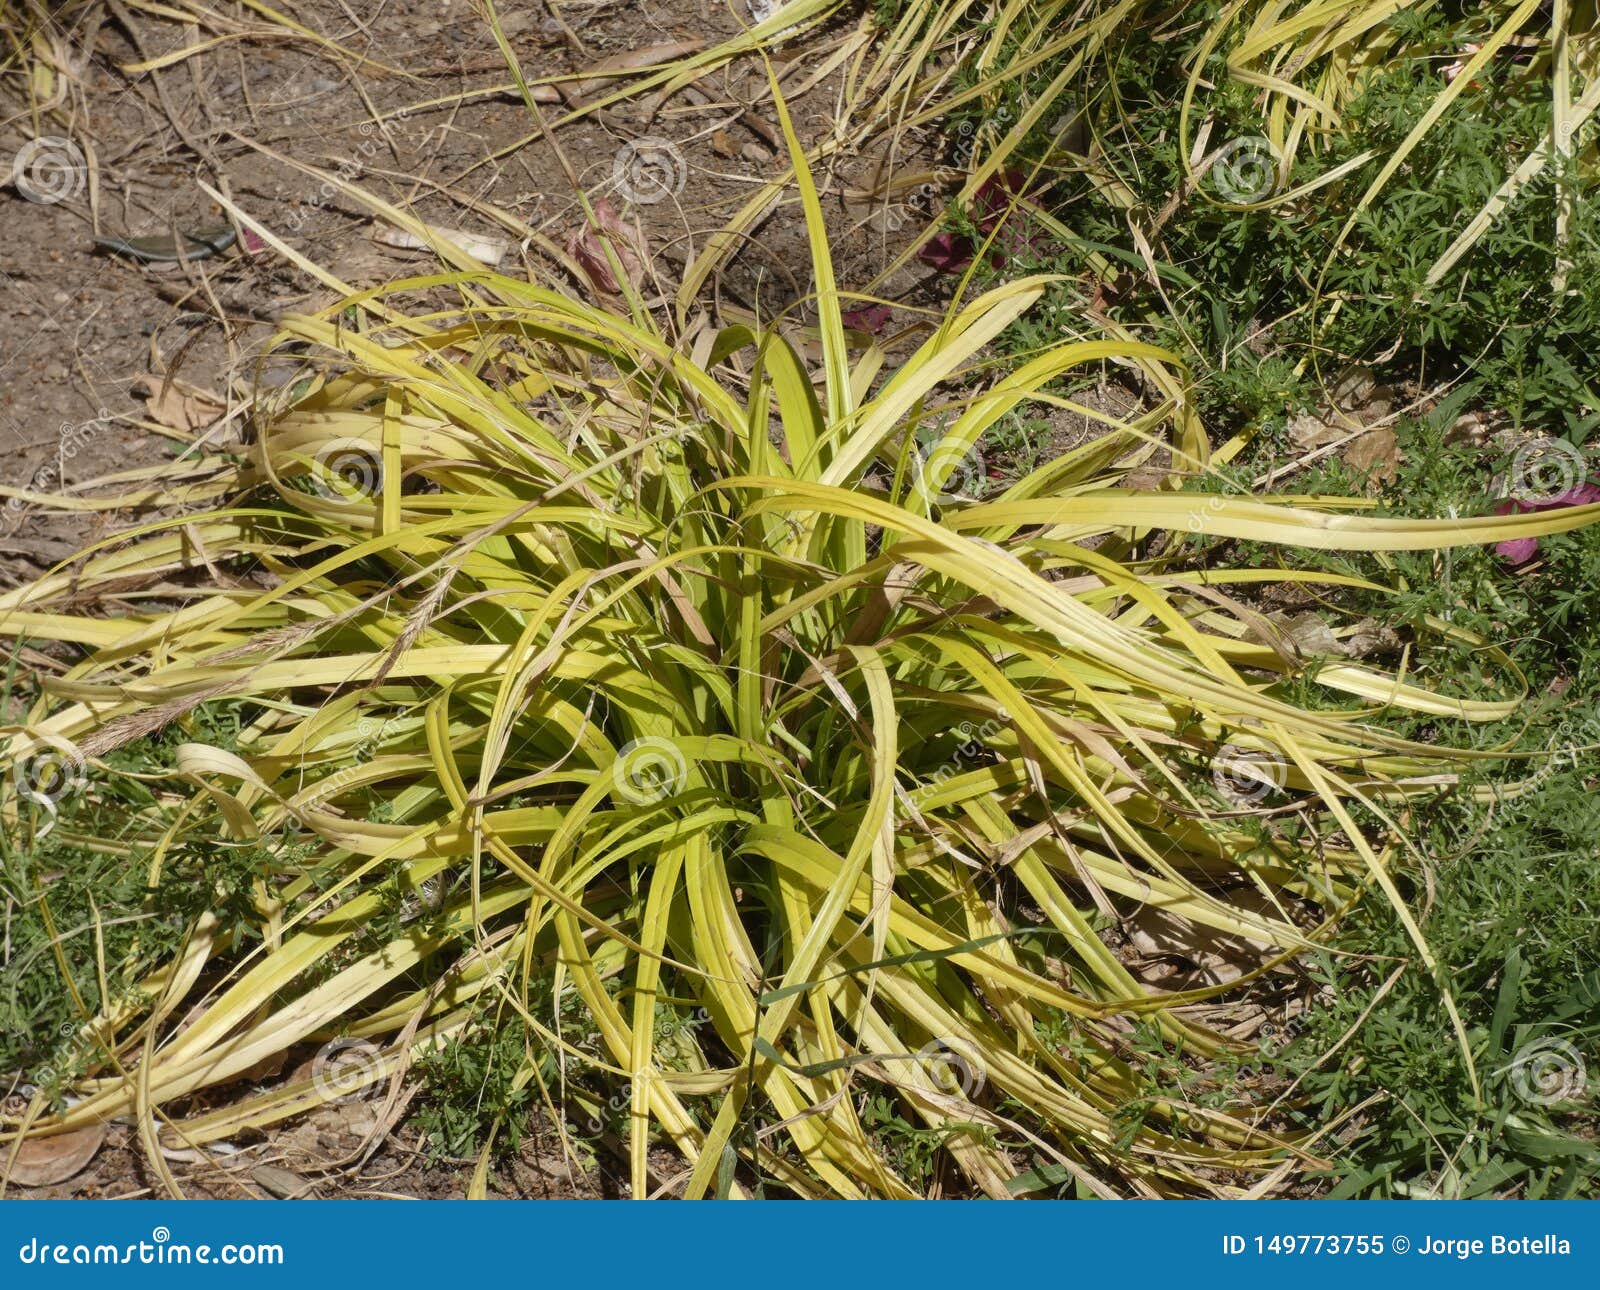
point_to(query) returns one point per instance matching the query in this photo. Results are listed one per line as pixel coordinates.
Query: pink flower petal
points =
(947, 253)
(1517, 550)
(993, 198)
(869, 318)
(584, 246)
(990, 205)
(1582, 495)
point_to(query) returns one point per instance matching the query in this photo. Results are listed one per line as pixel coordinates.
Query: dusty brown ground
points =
(80, 329)
(313, 1159)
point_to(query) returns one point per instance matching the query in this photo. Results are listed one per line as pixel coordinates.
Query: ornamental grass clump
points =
(675, 687)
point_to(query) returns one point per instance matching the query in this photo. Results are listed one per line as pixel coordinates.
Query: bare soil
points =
(126, 153)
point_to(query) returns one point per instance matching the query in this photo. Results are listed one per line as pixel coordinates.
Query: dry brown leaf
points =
(1204, 955)
(1308, 635)
(1375, 454)
(1307, 432)
(268, 1067)
(330, 1130)
(1471, 428)
(42, 1162)
(1359, 395)
(178, 404)
(1370, 639)
(1147, 479)
(280, 1182)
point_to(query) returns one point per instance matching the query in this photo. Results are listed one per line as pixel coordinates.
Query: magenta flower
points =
(868, 318)
(947, 252)
(1521, 550)
(952, 252)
